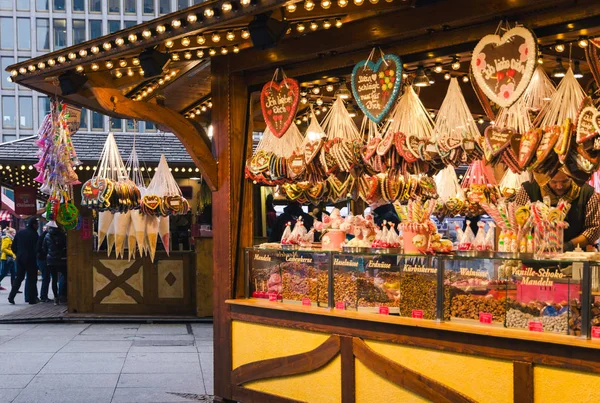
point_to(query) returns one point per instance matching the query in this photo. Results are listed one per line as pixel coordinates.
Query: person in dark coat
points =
(41, 261)
(55, 248)
(290, 214)
(24, 246)
(383, 211)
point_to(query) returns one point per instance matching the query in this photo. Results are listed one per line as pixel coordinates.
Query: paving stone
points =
(206, 363)
(187, 383)
(65, 395)
(111, 329)
(14, 381)
(162, 329)
(161, 363)
(97, 346)
(56, 381)
(85, 363)
(23, 345)
(147, 395)
(8, 395)
(23, 363)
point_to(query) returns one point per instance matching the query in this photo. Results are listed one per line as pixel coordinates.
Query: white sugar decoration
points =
(564, 103)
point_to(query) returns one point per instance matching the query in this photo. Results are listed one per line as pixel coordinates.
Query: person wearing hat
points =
(8, 257)
(24, 246)
(583, 216)
(54, 246)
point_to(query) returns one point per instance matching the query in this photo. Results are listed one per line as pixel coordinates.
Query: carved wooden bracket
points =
(111, 98)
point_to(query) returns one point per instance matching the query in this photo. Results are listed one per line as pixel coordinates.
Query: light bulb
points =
(119, 41)
(216, 37)
(223, 50)
(230, 36)
(122, 62)
(161, 29)
(316, 90)
(300, 27)
(132, 37)
(72, 56)
(185, 41)
(329, 88)
(83, 53)
(309, 5)
(175, 56)
(438, 68)
(51, 62)
(200, 39)
(109, 64)
(169, 44)
(325, 4)
(342, 3)
(245, 34)
(359, 2)
(236, 49)
(22, 70)
(313, 26)
(135, 61)
(130, 73)
(465, 79)
(447, 76)
(106, 45)
(455, 64)
(175, 23)
(94, 66)
(200, 54)
(79, 69)
(326, 24)
(583, 42)
(187, 55)
(61, 59)
(291, 8)
(41, 65)
(209, 13)
(560, 47)
(95, 50)
(338, 23)
(212, 52)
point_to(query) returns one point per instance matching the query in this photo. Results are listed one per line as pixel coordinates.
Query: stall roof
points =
(89, 147)
(326, 38)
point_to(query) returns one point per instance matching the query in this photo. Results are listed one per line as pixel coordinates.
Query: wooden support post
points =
(111, 98)
(232, 208)
(523, 382)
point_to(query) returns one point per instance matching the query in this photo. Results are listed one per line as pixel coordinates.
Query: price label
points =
(273, 296)
(384, 310)
(596, 332)
(536, 327)
(417, 313)
(485, 317)
(340, 305)
(306, 301)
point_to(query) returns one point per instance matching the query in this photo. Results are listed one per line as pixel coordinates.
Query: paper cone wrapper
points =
(105, 219)
(139, 224)
(163, 231)
(121, 222)
(131, 242)
(110, 237)
(152, 235)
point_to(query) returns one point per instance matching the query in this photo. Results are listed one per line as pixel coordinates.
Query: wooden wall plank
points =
(204, 277)
(523, 382)
(348, 370)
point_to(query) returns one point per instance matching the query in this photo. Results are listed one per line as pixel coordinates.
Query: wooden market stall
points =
(220, 54)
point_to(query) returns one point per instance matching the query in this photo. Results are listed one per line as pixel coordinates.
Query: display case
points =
(498, 290)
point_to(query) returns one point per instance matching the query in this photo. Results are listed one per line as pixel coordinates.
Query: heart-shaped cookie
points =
(311, 149)
(529, 143)
(585, 121)
(371, 148)
(279, 103)
(376, 85)
(497, 139)
(503, 66)
(384, 145)
(296, 165)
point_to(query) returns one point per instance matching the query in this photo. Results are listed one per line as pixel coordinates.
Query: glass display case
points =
(502, 290)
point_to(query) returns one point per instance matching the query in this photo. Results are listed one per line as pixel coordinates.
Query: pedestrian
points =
(41, 262)
(7, 259)
(24, 246)
(55, 248)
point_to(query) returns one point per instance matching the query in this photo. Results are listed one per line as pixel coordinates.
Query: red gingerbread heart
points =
(279, 103)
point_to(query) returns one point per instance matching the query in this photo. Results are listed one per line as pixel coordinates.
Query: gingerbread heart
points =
(384, 145)
(529, 143)
(311, 149)
(296, 165)
(371, 148)
(503, 66)
(497, 139)
(376, 85)
(279, 103)
(585, 121)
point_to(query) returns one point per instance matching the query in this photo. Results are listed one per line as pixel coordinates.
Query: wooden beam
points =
(111, 98)
(384, 29)
(232, 207)
(424, 46)
(522, 382)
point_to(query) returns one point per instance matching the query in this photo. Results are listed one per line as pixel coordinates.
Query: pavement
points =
(104, 363)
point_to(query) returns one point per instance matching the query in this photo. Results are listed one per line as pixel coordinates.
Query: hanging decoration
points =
(539, 91)
(279, 103)
(455, 132)
(376, 85)
(56, 166)
(137, 228)
(503, 65)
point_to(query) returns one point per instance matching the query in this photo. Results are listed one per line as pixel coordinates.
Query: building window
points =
(95, 6)
(148, 6)
(129, 24)
(41, 5)
(8, 137)
(95, 29)
(113, 26)
(25, 112)
(43, 109)
(114, 6)
(131, 125)
(59, 5)
(6, 5)
(23, 34)
(6, 32)
(23, 5)
(79, 5)
(78, 31)
(97, 121)
(83, 120)
(43, 33)
(60, 33)
(198, 1)
(8, 112)
(130, 6)
(116, 124)
(165, 6)
(7, 61)
(181, 4)
(150, 127)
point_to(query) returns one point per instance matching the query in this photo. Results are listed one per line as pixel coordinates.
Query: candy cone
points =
(105, 219)
(121, 223)
(152, 234)
(131, 241)
(139, 224)
(163, 231)
(110, 237)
